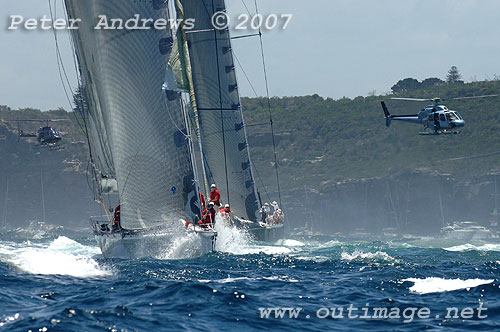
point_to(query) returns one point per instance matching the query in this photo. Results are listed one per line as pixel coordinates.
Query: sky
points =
(334, 48)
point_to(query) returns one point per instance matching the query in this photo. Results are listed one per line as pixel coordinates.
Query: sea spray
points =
(62, 256)
(230, 238)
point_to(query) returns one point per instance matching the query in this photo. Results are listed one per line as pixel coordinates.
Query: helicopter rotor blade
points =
(39, 120)
(475, 97)
(412, 99)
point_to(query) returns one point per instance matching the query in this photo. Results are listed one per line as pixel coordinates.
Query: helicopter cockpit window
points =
(451, 116)
(441, 117)
(458, 115)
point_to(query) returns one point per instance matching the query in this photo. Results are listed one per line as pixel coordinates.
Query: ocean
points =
(54, 279)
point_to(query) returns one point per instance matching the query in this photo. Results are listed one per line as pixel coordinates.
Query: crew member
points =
(202, 200)
(275, 206)
(267, 209)
(226, 213)
(208, 216)
(214, 195)
(263, 214)
(116, 219)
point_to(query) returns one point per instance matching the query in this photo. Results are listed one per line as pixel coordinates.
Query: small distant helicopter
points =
(46, 136)
(437, 117)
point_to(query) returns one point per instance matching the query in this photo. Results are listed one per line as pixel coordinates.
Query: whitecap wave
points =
(290, 243)
(62, 256)
(472, 247)
(231, 280)
(367, 256)
(440, 285)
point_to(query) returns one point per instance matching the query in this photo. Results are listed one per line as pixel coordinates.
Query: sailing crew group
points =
(271, 214)
(209, 212)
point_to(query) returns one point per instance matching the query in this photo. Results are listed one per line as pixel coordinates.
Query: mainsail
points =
(138, 126)
(222, 127)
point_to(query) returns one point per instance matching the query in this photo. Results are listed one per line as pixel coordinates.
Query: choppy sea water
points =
(53, 279)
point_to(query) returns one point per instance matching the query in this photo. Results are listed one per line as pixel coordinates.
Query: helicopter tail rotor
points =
(386, 113)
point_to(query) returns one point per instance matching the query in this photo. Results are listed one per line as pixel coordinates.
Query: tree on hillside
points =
(454, 76)
(80, 104)
(408, 84)
(431, 82)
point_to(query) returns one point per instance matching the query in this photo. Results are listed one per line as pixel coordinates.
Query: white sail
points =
(135, 121)
(218, 103)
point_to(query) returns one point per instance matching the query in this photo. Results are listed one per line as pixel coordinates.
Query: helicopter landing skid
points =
(446, 132)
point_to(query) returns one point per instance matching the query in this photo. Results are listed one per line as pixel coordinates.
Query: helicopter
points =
(46, 135)
(436, 117)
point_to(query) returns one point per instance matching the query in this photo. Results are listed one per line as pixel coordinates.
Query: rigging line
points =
(221, 113)
(60, 64)
(261, 181)
(172, 119)
(245, 74)
(254, 125)
(81, 110)
(129, 171)
(77, 73)
(205, 161)
(244, 4)
(251, 85)
(269, 107)
(59, 50)
(62, 69)
(72, 44)
(245, 36)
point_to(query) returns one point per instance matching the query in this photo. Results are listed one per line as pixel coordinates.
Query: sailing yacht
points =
(150, 95)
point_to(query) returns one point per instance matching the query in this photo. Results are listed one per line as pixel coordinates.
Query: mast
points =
(192, 95)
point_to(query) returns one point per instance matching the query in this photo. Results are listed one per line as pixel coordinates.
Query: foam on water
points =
(231, 239)
(182, 246)
(62, 256)
(472, 247)
(329, 244)
(290, 243)
(238, 241)
(231, 280)
(439, 285)
(358, 255)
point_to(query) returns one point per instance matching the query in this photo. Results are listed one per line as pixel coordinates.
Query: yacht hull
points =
(268, 233)
(143, 244)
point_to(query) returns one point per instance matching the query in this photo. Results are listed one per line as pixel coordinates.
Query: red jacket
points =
(208, 217)
(117, 214)
(215, 196)
(202, 201)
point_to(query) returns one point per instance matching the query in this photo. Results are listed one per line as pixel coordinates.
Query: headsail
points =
(141, 118)
(218, 102)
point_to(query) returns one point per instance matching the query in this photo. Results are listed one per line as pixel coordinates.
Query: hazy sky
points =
(331, 47)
